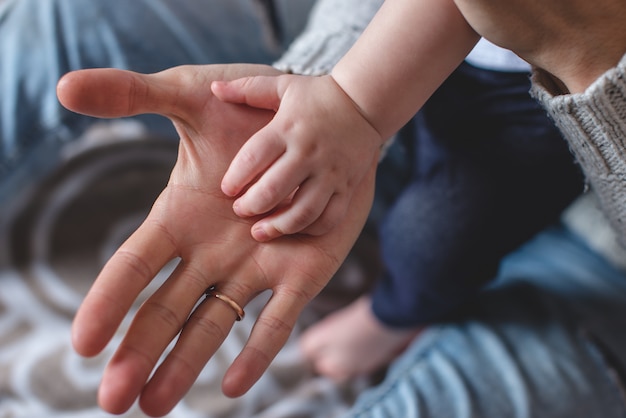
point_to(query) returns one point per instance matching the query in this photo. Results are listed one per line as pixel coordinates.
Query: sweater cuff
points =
(334, 26)
(315, 53)
(594, 124)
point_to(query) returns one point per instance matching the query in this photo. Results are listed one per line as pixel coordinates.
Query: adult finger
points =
(114, 93)
(155, 325)
(109, 93)
(308, 272)
(117, 286)
(202, 335)
(270, 333)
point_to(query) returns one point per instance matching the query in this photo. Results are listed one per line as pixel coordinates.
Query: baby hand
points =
(298, 172)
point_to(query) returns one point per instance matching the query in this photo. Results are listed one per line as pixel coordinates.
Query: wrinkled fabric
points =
(40, 40)
(546, 340)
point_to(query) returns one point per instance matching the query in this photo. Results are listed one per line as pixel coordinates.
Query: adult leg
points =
(545, 341)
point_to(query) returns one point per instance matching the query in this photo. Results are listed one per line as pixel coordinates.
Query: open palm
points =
(194, 221)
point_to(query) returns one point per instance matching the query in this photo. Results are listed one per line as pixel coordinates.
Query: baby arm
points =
(328, 130)
(311, 155)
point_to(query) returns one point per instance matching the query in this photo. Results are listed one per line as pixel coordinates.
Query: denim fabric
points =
(545, 340)
(40, 40)
(487, 171)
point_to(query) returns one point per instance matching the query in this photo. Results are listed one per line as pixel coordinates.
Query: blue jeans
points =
(492, 362)
(487, 171)
(546, 339)
(40, 40)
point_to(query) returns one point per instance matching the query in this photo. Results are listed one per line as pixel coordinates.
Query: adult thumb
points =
(113, 93)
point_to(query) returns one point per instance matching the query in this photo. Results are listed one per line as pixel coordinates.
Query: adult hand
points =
(574, 40)
(192, 219)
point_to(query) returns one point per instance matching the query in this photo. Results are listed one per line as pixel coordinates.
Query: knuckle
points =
(195, 279)
(299, 295)
(208, 327)
(138, 354)
(163, 232)
(250, 82)
(247, 158)
(237, 291)
(310, 148)
(322, 226)
(163, 314)
(332, 215)
(275, 327)
(134, 262)
(264, 197)
(300, 219)
(185, 368)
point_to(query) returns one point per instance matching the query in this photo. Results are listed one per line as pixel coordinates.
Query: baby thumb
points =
(257, 91)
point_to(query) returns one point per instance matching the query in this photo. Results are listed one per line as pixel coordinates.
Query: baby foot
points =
(352, 342)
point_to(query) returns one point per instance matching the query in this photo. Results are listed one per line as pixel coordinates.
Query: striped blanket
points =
(52, 248)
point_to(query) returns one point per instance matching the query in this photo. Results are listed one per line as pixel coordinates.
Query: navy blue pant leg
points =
(489, 171)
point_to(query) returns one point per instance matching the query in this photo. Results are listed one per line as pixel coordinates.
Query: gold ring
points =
(238, 310)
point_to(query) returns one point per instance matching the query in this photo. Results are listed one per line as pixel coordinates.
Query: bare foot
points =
(352, 342)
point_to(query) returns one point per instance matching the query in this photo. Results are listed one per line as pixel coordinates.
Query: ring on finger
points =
(210, 292)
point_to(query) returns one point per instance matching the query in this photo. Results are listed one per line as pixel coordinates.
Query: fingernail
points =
(217, 84)
(259, 233)
(237, 208)
(228, 191)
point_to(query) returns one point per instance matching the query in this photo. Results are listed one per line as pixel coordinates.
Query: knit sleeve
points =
(594, 124)
(332, 29)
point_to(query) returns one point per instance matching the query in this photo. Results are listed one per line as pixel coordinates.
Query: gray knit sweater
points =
(593, 123)
(333, 27)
